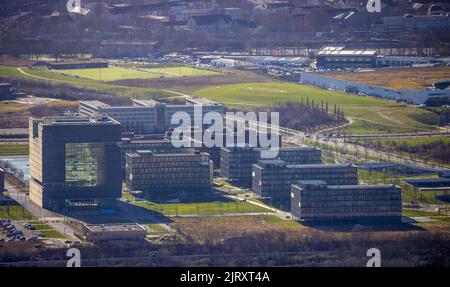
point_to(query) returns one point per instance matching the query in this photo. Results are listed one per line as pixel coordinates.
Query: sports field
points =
(120, 73)
(370, 115)
(107, 74)
(57, 78)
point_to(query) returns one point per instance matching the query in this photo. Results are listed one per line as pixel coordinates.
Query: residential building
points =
(273, 178)
(167, 174)
(414, 23)
(316, 202)
(75, 163)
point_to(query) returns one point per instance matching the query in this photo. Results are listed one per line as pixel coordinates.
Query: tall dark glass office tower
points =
(75, 163)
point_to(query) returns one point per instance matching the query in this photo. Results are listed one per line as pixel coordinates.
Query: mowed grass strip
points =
(382, 115)
(198, 208)
(13, 149)
(15, 212)
(202, 208)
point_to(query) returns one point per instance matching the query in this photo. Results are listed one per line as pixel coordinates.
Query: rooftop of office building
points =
(149, 153)
(320, 183)
(95, 104)
(151, 103)
(75, 120)
(114, 227)
(265, 162)
(307, 166)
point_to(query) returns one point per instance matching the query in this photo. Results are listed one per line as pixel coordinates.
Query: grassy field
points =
(107, 74)
(212, 206)
(15, 212)
(58, 78)
(13, 149)
(401, 78)
(370, 115)
(45, 229)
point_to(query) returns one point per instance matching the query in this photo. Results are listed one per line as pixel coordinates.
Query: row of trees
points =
(308, 115)
(438, 150)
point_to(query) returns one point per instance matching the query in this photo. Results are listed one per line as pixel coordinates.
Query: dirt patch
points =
(190, 84)
(15, 62)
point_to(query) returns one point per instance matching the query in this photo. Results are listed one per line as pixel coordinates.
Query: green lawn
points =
(381, 115)
(156, 227)
(182, 72)
(45, 229)
(16, 212)
(212, 207)
(107, 74)
(13, 149)
(58, 78)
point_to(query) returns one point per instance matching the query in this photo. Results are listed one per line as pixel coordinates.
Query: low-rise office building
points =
(154, 145)
(137, 119)
(236, 163)
(98, 233)
(273, 178)
(316, 202)
(75, 163)
(161, 175)
(149, 116)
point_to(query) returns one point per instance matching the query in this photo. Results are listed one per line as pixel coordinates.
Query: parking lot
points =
(23, 230)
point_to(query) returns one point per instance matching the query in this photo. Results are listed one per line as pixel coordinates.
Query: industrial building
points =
(98, 233)
(161, 175)
(402, 61)
(148, 116)
(236, 163)
(6, 91)
(79, 65)
(338, 57)
(273, 178)
(2, 181)
(316, 202)
(75, 163)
